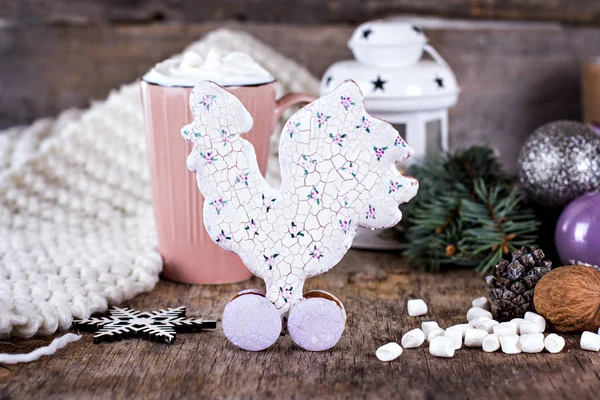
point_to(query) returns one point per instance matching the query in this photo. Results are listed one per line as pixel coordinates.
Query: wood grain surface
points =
(374, 288)
(514, 78)
(84, 12)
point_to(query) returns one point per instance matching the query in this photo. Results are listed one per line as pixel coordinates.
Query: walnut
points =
(569, 298)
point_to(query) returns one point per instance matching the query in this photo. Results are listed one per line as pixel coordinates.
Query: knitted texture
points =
(76, 226)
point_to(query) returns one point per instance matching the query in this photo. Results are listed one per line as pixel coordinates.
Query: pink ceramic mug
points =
(189, 253)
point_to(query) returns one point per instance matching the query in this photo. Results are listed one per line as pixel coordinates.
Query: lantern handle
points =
(435, 55)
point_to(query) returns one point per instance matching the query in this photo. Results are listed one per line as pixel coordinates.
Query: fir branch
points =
(466, 213)
(497, 224)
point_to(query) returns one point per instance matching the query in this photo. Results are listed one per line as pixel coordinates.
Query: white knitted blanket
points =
(76, 225)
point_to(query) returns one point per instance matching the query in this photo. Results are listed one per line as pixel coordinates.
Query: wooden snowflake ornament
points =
(338, 173)
(158, 326)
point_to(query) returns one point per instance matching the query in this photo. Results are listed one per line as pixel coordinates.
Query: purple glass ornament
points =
(577, 235)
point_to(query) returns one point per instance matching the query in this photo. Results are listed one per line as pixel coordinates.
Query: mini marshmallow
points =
(474, 337)
(554, 343)
(416, 307)
(476, 321)
(427, 326)
(389, 352)
(505, 329)
(487, 325)
(413, 339)
(536, 319)
(490, 343)
(590, 341)
(435, 332)
(441, 347)
(518, 322)
(532, 342)
(455, 335)
(475, 312)
(463, 328)
(530, 327)
(510, 344)
(481, 302)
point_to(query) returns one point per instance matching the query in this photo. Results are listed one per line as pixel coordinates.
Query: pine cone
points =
(514, 283)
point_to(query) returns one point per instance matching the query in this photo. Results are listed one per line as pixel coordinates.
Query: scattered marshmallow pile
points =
(520, 335)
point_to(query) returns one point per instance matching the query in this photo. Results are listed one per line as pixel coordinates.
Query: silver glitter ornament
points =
(559, 162)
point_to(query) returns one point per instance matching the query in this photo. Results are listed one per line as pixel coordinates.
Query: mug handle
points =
(289, 100)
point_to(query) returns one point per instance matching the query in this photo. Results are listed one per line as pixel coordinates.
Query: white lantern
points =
(412, 94)
(399, 87)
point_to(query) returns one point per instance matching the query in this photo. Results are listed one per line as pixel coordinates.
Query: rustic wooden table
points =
(374, 288)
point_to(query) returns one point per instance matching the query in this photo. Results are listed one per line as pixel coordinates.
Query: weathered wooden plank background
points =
(514, 77)
(292, 11)
(374, 287)
(518, 64)
(515, 74)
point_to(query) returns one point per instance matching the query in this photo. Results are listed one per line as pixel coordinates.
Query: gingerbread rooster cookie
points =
(339, 172)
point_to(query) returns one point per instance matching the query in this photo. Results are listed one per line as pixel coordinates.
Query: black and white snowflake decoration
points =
(157, 326)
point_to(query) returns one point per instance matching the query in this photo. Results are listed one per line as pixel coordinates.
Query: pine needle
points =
(467, 213)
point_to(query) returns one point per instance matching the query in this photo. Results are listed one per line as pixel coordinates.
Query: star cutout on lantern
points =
(157, 326)
(378, 84)
(417, 29)
(328, 81)
(366, 33)
(440, 82)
